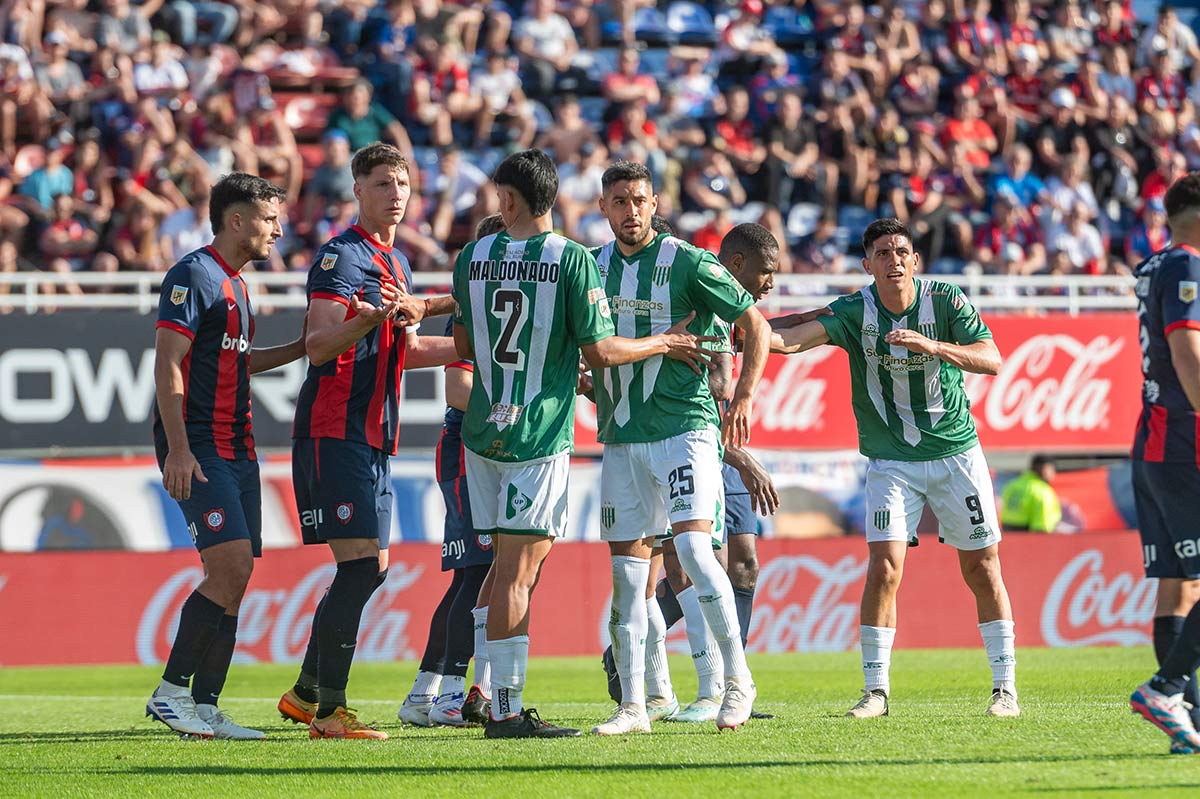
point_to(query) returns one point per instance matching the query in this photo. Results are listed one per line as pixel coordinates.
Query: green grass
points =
(69, 732)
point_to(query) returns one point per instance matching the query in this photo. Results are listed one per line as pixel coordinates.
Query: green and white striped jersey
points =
(650, 291)
(528, 306)
(909, 406)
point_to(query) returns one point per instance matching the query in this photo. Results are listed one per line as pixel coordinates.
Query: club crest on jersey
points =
(608, 516)
(928, 330)
(344, 512)
(178, 294)
(328, 261)
(215, 519)
(1187, 290)
(883, 519)
(485, 541)
(661, 275)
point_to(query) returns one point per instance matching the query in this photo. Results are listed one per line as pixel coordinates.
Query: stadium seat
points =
(802, 220)
(654, 62)
(691, 24)
(650, 26)
(592, 110)
(29, 158)
(854, 217)
(311, 155)
(427, 163)
(308, 114)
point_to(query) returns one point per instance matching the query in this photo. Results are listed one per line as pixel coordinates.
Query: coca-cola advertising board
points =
(121, 607)
(1067, 383)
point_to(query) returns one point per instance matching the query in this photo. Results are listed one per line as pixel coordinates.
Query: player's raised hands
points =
(178, 470)
(912, 340)
(686, 347)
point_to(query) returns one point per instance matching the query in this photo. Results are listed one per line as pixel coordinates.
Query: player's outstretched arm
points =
(982, 357)
(756, 345)
(170, 348)
(793, 319)
(764, 498)
(264, 359)
(462, 343)
(1184, 343)
(332, 331)
(676, 343)
(424, 351)
(803, 337)
(413, 308)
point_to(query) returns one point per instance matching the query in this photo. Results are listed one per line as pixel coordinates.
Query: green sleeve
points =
(719, 330)
(1045, 512)
(715, 290)
(835, 326)
(966, 326)
(461, 289)
(589, 318)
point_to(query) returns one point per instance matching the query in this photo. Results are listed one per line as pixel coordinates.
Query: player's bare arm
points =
(462, 343)
(981, 357)
(803, 337)
(676, 343)
(1185, 357)
(720, 376)
(332, 331)
(413, 308)
(170, 348)
(264, 359)
(793, 319)
(756, 345)
(425, 351)
(763, 496)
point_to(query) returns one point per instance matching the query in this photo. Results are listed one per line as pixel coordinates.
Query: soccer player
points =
(437, 694)
(347, 427)
(909, 341)
(205, 445)
(528, 301)
(661, 431)
(1166, 481)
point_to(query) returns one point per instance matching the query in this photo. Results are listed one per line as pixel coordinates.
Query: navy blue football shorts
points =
(739, 513)
(343, 490)
(226, 508)
(461, 547)
(1167, 496)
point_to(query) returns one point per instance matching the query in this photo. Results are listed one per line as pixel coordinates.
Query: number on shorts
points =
(508, 305)
(975, 508)
(682, 482)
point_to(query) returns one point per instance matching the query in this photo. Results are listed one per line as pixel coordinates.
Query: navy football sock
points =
(460, 623)
(1166, 630)
(435, 645)
(306, 683)
(1179, 665)
(743, 601)
(214, 668)
(667, 603)
(337, 631)
(198, 623)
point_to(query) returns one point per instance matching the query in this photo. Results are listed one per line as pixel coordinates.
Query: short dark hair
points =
(660, 224)
(1184, 195)
(492, 223)
(889, 226)
(377, 154)
(1039, 462)
(747, 238)
(533, 175)
(235, 188)
(625, 170)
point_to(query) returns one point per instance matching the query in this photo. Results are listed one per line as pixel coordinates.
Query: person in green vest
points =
(1029, 502)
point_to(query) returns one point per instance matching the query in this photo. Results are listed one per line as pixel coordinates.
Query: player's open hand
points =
(375, 315)
(735, 426)
(178, 470)
(686, 347)
(764, 499)
(912, 340)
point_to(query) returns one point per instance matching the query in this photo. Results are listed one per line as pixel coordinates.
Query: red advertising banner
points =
(1067, 383)
(120, 607)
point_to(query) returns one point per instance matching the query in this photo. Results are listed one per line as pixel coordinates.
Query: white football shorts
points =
(526, 498)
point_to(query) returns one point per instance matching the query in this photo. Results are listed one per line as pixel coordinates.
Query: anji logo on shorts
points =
(215, 519)
(345, 512)
(238, 344)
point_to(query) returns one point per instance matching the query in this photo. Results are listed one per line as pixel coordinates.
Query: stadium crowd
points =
(1017, 138)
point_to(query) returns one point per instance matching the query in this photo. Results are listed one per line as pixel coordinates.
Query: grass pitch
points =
(68, 732)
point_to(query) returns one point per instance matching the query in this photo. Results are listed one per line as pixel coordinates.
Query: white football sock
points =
(425, 687)
(627, 626)
(509, 658)
(483, 666)
(452, 692)
(877, 656)
(658, 675)
(705, 655)
(1000, 641)
(715, 593)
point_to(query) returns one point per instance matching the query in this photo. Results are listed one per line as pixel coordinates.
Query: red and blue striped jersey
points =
(1167, 287)
(356, 396)
(206, 300)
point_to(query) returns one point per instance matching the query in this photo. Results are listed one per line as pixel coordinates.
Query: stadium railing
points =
(138, 291)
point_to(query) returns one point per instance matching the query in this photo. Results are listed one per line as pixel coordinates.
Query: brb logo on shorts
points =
(238, 344)
(345, 512)
(215, 519)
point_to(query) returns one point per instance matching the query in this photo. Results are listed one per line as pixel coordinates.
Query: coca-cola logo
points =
(1084, 607)
(793, 399)
(274, 623)
(1034, 391)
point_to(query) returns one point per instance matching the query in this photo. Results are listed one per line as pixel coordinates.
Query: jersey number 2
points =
(508, 305)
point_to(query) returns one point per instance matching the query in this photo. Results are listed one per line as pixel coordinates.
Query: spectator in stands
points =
(1009, 226)
(915, 92)
(92, 177)
(889, 156)
(187, 229)
(506, 116)
(569, 132)
(1029, 502)
(13, 222)
(200, 21)
(1061, 135)
(710, 234)
(767, 86)
(976, 36)
(48, 181)
(695, 88)
(22, 101)
(61, 78)
(137, 245)
(897, 40)
(1149, 235)
(331, 180)
(365, 122)
(1169, 35)
(919, 204)
(267, 134)
(968, 129)
(1021, 28)
(69, 244)
(1114, 32)
(1169, 166)
(626, 85)
(741, 144)
(579, 192)
(744, 43)
(442, 95)
(547, 46)
(1115, 79)
(447, 22)
(712, 184)
(123, 27)
(823, 250)
(1117, 146)
(1069, 189)
(1070, 34)
(1162, 88)
(795, 170)
(163, 74)
(1080, 241)
(459, 195)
